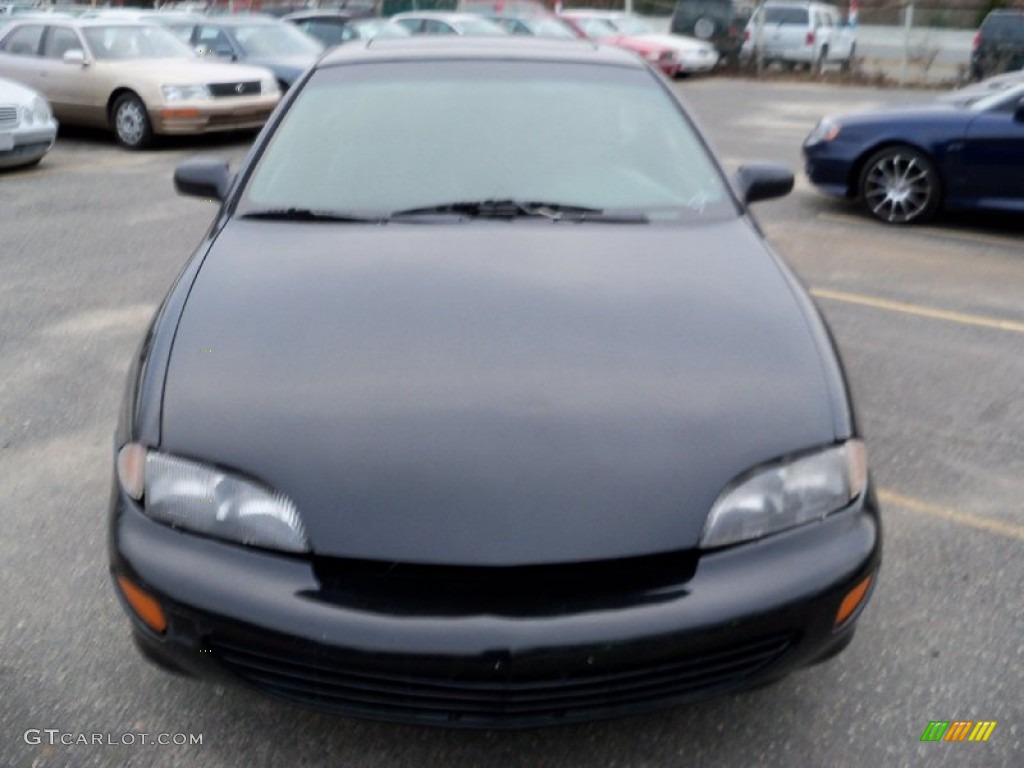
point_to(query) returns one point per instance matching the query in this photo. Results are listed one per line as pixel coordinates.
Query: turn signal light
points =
(852, 601)
(145, 606)
(182, 112)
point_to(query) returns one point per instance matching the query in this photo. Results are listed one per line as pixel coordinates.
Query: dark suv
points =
(998, 44)
(720, 22)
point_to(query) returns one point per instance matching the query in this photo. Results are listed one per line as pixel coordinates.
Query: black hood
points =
(932, 115)
(495, 393)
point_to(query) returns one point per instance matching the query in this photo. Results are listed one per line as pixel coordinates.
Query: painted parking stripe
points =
(919, 310)
(998, 527)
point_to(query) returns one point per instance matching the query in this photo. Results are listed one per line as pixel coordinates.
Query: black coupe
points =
(484, 403)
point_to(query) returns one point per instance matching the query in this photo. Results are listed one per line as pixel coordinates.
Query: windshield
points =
(596, 27)
(380, 138)
(629, 25)
(544, 27)
(776, 15)
(478, 27)
(135, 42)
(371, 28)
(274, 40)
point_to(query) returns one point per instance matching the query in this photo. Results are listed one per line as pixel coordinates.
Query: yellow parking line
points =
(952, 234)
(919, 310)
(1009, 530)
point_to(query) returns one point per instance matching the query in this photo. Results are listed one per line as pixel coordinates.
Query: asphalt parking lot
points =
(929, 320)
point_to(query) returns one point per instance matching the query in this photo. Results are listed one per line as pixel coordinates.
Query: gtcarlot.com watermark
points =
(55, 736)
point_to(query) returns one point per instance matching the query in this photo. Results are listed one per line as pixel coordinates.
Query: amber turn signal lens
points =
(145, 606)
(852, 601)
(179, 112)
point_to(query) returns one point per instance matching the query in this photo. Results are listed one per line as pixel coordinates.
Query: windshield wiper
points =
(310, 214)
(510, 209)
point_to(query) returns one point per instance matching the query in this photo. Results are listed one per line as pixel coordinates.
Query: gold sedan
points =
(134, 78)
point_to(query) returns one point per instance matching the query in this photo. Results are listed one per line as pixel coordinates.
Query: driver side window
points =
(60, 40)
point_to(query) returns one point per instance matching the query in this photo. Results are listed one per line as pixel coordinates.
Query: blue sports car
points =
(905, 165)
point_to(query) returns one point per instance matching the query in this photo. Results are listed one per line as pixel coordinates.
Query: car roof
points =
(74, 21)
(439, 15)
(800, 4)
(324, 13)
(247, 19)
(510, 48)
(596, 13)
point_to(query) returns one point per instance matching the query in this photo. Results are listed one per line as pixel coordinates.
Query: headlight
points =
(206, 500)
(185, 92)
(826, 130)
(269, 85)
(26, 115)
(40, 110)
(787, 494)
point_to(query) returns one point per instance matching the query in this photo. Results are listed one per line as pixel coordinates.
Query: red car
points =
(600, 30)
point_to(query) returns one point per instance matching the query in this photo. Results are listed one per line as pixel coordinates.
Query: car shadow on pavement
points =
(99, 138)
(996, 223)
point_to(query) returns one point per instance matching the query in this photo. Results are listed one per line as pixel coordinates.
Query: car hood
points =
(679, 43)
(189, 71)
(287, 68)
(926, 114)
(15, 93)
(494, 393)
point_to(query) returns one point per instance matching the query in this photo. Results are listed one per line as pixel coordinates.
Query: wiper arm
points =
(310, 214)
(509, 209)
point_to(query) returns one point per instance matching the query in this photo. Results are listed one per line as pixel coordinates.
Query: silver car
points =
(27, 127)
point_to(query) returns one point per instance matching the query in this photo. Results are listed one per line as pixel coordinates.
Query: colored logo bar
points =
(958, 730)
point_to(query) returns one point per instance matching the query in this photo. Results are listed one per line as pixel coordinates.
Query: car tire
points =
(132, 126)
(900, 185)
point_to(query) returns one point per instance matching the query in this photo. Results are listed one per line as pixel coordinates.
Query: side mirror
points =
(75, 56)
(205, 177)
(763, 181)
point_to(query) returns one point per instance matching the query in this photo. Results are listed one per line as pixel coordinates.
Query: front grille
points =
(533, 590)
(229, 121)
(476, 693)
(248, 88)
(8, 115)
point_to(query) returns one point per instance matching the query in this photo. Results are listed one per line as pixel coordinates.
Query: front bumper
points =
(23, 145)
(209, 116)
(694, 63)
(732, 619)
(830, 165)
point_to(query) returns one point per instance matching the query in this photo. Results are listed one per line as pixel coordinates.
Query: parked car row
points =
(137, 79)
(140, 73)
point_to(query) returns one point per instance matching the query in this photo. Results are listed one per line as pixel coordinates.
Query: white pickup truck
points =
(806, 33)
